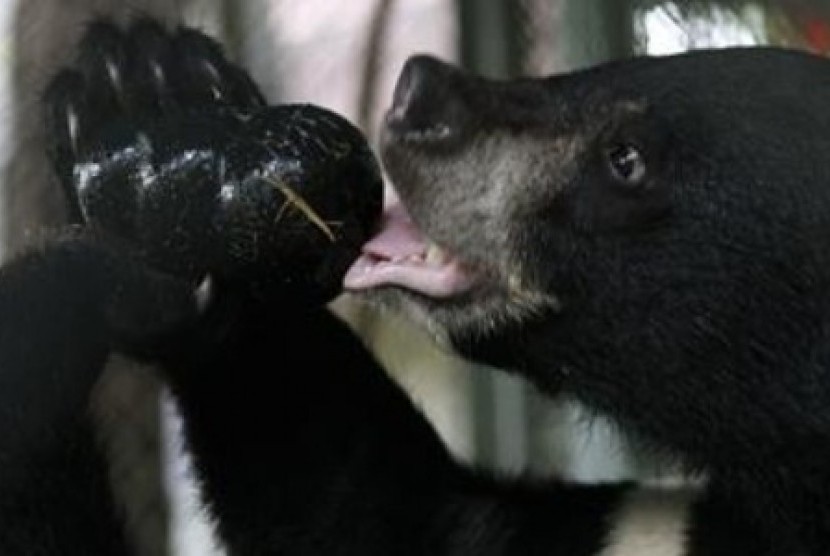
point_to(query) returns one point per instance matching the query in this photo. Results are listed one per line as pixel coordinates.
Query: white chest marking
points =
(651, 522)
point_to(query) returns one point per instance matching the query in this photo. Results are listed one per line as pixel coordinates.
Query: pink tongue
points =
(398, 237)
(395, 256)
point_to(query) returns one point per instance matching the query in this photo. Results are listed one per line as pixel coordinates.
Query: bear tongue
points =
(400, 255)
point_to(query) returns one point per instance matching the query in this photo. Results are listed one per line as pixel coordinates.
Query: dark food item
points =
(172, 148)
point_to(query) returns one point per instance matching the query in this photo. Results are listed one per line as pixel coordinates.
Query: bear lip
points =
(401, 255)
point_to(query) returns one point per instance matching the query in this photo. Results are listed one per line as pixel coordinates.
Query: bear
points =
(648, 237)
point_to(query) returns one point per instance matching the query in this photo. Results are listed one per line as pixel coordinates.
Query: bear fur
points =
(650, 237)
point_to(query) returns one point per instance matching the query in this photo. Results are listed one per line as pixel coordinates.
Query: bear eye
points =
(627, 164)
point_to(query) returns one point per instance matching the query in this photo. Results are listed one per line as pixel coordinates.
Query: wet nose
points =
(427, 97)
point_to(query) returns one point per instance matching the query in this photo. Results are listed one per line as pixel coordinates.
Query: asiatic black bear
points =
(651, 237)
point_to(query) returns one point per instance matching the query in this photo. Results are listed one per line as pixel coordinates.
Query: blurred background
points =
(346, 55)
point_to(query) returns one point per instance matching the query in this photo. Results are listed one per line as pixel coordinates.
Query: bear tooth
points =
(435, 255)
(402, 259)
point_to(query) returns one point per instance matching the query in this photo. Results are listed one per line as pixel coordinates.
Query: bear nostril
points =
(425, 104)
(403, 89)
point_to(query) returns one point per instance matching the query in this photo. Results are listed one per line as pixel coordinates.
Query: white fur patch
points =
(651, 522)
(193, 531)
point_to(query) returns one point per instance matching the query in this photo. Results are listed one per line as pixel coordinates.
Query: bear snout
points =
(427, 105)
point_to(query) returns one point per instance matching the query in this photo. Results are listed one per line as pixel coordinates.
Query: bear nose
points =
(426, 101)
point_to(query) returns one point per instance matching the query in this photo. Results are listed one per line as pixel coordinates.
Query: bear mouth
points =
(401, 255)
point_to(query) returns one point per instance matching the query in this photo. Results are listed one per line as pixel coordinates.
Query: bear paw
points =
(161, 141)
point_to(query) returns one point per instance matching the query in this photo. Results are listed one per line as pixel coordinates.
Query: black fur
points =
(691, 304)
(690, 307)
(302, 443)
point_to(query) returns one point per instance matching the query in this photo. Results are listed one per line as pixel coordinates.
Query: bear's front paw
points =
(161, 141)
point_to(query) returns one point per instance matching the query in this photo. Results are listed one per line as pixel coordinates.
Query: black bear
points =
(651, 237)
